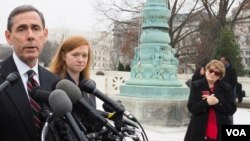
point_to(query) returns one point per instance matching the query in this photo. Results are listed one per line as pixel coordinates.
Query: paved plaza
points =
(159, 133)
(177, 133)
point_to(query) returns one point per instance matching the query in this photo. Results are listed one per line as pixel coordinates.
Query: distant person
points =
(230, 77)
(20, 115)
(210, 102)
(240, 92)
(72, 61)
(199, 73)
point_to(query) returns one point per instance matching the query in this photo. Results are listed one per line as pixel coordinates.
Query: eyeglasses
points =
(215, 72)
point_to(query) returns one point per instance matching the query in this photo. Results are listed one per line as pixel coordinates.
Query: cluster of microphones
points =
(115, 122)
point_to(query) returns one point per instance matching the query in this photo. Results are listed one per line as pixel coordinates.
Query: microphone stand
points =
(46, 126)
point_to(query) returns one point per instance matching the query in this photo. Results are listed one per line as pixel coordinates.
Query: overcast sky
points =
(78, 14)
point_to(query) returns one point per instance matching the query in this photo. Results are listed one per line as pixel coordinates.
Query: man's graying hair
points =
(22, 9)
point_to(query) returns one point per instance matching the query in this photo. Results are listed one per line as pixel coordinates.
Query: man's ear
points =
(8, 36)
(46, 33)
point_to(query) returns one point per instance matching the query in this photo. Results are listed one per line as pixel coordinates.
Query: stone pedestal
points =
(155, 92)
(156, 104)
(164, 112)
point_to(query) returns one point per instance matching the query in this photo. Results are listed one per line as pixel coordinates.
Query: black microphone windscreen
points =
(107, 108)
(13, 77)
(39, 95)
(73, 92)
(88, 86)
(53, 86)
(60, 102)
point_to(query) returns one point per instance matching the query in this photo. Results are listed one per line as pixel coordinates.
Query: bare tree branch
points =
(213, 14)
(238, 12)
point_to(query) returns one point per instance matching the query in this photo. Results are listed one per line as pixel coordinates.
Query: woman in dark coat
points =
(210, 103)
(199, 73)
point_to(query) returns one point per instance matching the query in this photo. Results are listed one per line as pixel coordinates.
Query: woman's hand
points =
(211, 99)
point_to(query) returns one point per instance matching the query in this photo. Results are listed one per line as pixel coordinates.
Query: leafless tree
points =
(183, 32)
(49, 50)
(210, 16)
(118, 15)
(5, 51)
(132, 9)
(218, 12)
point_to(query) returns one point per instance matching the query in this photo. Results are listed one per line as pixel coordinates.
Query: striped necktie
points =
(34, 105)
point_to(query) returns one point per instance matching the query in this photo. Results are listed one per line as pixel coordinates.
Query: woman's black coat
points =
(83, 115)
(199, 108)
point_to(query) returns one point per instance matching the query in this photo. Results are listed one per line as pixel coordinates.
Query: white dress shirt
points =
(23, 68)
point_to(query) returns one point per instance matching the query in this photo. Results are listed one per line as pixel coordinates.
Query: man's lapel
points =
(18, 96)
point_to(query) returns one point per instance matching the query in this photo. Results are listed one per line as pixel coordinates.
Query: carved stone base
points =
(155, 92)
(155, 111)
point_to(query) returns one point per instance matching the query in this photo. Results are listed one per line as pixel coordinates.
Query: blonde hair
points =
(218, 65)
(58, 66)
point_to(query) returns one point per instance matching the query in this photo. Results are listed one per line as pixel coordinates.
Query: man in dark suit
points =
(230, 77)
(26, 33)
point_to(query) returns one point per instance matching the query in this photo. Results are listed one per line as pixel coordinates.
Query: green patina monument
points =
(153, 93)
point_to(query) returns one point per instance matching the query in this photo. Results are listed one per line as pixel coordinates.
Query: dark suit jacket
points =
(231, 76)
(16, 121)
(199, 108)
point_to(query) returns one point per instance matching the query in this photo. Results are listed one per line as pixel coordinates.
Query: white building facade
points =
(242, 33)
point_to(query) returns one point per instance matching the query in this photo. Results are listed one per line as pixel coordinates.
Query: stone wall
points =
(110, 82)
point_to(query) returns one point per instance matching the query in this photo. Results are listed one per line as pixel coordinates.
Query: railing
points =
(110, 82)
